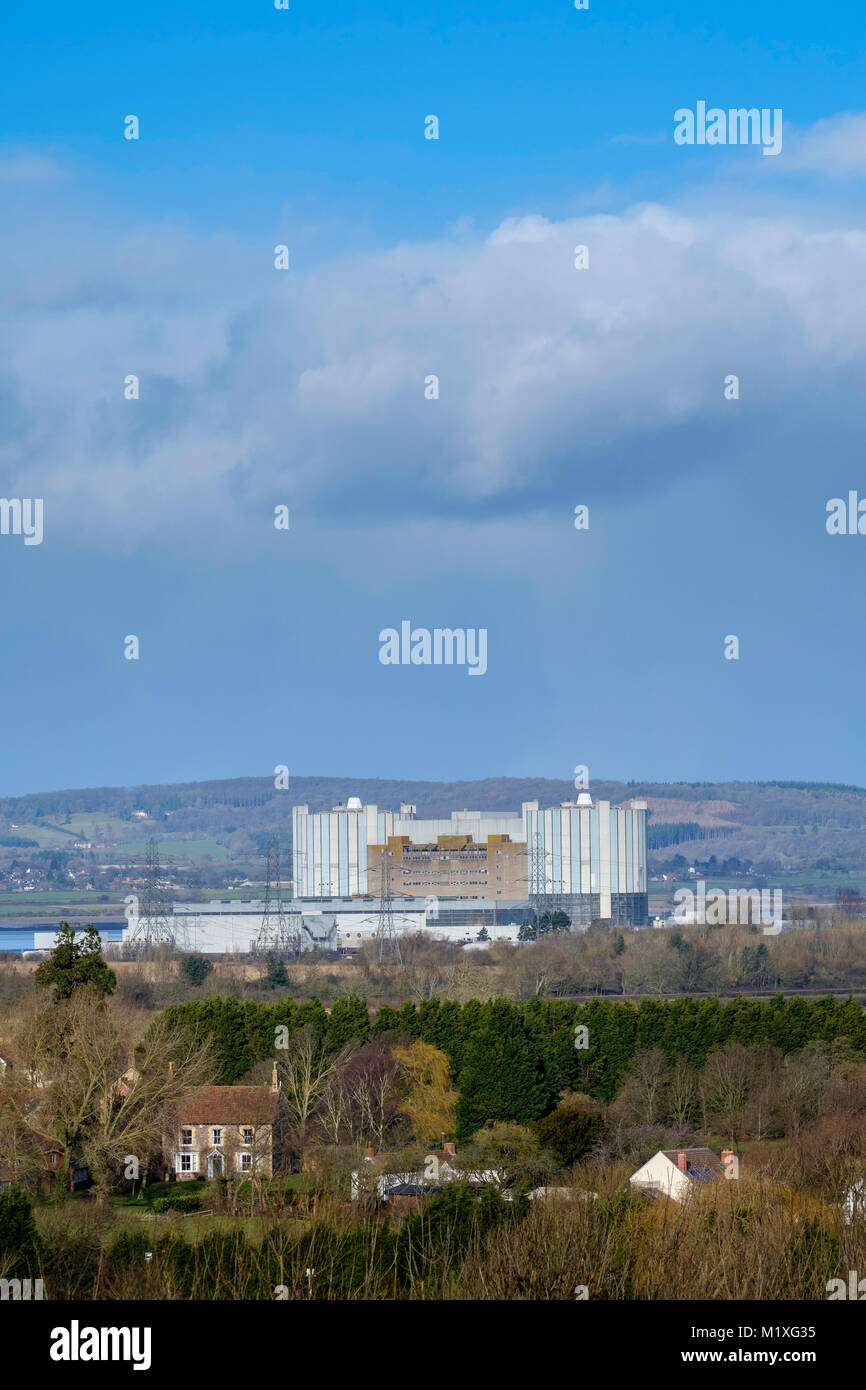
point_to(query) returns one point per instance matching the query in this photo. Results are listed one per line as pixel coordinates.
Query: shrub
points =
(196, 969)
(128, 1250)
(183, 1201)
(21, 1246)
(135, 989)
(570, 1132)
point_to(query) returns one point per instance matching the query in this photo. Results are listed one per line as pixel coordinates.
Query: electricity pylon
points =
(154, 925)
(387, 942)
(277, 936)
(546, 894)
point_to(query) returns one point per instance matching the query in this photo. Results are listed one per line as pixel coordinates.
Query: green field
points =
(56, 834)
(45, 837)
(85, 824)
(171, 851)
(66, 902)
(50, 896)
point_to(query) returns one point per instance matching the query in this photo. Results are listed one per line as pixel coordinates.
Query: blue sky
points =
(557, 387)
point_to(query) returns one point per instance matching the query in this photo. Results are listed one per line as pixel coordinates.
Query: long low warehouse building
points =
(17, 938)
(337, 924)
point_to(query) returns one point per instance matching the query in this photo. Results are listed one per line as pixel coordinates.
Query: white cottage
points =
(676, 1172)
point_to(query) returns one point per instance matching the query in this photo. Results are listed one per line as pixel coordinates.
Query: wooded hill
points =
(792, 826)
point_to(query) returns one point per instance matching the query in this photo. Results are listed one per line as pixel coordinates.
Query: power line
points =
(154, 925)
(387, 941)
(277, 935)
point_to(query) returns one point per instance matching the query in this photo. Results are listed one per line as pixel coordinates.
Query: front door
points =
(215, 1165)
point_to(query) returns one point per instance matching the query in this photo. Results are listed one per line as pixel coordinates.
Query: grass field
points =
(85, 825)
(49, 896)
(45, 836)
(172, 851)
(131, 1207)
(191, 1228)
(57, 904)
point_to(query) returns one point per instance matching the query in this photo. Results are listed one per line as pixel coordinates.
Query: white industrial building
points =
(590, 856)
(587, 859)
(357, 920)
(232, 928)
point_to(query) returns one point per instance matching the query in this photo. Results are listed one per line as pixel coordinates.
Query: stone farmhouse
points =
(226, 1131)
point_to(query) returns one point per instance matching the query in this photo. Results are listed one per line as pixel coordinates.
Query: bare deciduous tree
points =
(307, 1069)
(102, 1107)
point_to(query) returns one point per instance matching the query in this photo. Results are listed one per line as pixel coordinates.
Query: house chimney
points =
(450, 1149)
(682, 1161)
(275, 1085)
(369, 1152)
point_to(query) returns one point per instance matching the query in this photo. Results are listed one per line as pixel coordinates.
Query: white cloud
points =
(260, 387)
(834, 146)
(29, 169)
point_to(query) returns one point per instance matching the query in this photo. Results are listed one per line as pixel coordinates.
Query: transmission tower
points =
(387, 942)
(154, 926)
(277, 935)
(538, 895)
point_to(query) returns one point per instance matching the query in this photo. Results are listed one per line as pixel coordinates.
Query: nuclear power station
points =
(587, 859)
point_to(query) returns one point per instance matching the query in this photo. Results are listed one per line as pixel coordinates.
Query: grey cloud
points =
(259, 386)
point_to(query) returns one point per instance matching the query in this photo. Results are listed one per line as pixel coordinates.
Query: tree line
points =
(510, 1061)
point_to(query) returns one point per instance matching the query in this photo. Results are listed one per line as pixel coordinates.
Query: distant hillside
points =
(792, 826)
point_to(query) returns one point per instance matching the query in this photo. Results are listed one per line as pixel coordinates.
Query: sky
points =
(307, 388)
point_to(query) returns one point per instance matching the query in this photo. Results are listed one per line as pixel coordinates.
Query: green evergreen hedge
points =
(510, 1061)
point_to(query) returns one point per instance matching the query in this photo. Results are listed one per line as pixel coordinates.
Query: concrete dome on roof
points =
(354, 803)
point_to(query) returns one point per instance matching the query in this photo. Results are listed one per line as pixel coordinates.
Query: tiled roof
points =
(411, 1189)
(227, 1105)
(703, 1161)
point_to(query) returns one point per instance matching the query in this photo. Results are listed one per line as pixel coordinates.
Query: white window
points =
(245, 1163)
(246, 1134)
(186, 1162)
(185, 1138)
(216, 1138)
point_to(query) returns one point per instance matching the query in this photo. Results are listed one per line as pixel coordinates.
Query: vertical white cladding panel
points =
(641, 821)
(584, 814)
(317, 857)
(302, 861)
(334, 857)
(316, 852)
(603, 812)
(549, 866)
(532, 832)
(297, 852)
(354, 830)
(637, 828)
(565, 835)
(621, 814)
(307, 865)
